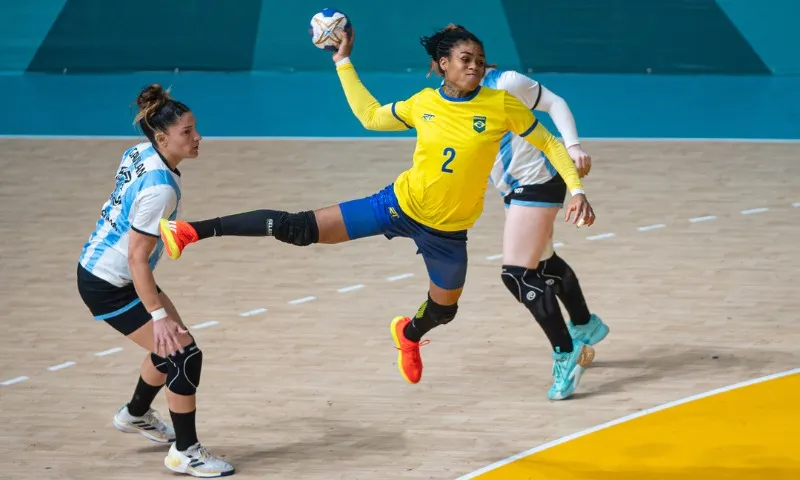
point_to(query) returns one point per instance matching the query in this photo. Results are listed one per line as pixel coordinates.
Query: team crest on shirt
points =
(479, 123)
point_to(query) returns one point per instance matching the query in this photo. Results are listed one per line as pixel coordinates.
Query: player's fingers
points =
(172, 344)
(159, 344)
(586, 213)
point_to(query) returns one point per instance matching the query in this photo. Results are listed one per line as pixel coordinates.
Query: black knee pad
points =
(558, 274)
(160, 363)
(530, 289)
(183, 376)
(296, 228)
(441, 314)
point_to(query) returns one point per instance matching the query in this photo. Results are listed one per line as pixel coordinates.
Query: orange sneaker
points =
(176, 234)
(409, 362)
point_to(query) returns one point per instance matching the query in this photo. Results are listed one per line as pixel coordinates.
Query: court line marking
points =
(61, 366)
(250, 313)
(600, 236)
(210, 323)
(495, 257)
(110, 351)
(14, 380)
(298, 301)
(351, 288)
(310, 298)
(705, 218)
(651, 227)
(399, 277)
(754, 210)
(627, 418)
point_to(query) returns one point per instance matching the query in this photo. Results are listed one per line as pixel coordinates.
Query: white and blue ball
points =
(326, 28)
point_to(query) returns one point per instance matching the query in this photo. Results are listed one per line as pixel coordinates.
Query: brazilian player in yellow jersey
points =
(435, 202)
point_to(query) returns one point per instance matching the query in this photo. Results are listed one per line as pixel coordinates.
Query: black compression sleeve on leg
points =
(531, 290)
(295, 228)
(256, 223)
(143, 397)
(207, 228)
(429, 316)
(567, 288)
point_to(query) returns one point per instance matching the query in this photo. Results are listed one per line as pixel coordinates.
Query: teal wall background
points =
(574, 36)
(628, 68)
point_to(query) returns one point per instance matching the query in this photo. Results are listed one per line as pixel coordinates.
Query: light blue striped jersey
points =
(518, 163)
(145, 190)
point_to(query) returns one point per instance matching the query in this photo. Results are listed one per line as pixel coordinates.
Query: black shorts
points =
(120, 307)
(549, 194)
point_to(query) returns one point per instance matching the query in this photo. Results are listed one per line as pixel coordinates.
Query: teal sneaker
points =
(567, 370)
(591, 333)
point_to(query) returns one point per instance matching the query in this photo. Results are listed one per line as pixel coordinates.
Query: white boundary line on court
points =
(624, 419)
(394, 138)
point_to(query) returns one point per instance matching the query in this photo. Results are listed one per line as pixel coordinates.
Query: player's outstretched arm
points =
(366, 108)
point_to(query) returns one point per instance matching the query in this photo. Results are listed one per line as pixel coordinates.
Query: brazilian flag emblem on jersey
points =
(479, 123)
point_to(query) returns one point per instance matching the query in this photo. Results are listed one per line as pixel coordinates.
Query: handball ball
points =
(326, 28)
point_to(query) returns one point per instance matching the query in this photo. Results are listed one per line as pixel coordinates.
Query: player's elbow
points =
(558, 104)
(368, 122)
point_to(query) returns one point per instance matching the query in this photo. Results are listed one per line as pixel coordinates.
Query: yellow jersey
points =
(457, 142)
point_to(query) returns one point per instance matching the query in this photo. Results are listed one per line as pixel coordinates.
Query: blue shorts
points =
(445, 253)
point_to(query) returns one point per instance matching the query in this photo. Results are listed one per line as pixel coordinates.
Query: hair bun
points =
(152, 98)
(452, 26)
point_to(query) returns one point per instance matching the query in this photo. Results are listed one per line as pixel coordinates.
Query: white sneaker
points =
(197, 461)
(149, 425)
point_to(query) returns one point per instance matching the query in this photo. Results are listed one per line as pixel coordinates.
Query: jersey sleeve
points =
(387, 118)
(151, 205)
(526, 89)
(520, 120)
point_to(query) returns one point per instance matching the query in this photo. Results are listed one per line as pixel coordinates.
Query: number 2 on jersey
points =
(451, 154)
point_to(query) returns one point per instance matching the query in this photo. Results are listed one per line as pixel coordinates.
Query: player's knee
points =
(530, 289)
(441, 314)
(160, 363)
(299, 229)
(183, 375)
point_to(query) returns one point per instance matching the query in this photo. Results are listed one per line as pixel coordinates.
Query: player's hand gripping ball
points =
(326, 28)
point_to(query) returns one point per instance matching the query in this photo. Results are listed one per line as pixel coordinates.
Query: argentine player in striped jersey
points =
(533, 192)
(116, 282)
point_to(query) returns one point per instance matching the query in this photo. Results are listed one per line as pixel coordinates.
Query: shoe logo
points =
(530, 295)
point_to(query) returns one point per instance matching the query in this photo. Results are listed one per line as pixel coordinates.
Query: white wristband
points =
(343, 61)
(159, 314)
(577, 191)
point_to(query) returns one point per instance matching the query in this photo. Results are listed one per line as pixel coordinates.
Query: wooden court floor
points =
(704, 298)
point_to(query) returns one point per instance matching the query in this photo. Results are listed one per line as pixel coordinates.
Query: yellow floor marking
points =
(747, 433)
